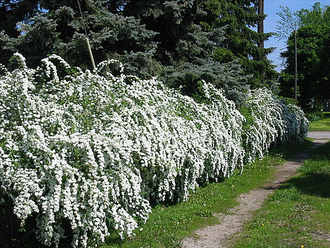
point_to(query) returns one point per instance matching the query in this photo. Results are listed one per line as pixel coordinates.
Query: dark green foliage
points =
(322, 70)
(38, 41)
(61, 30)
(309, 40)
(312, 57)
(176, 22)
(182, 42)
(188, 77)
(12, 12)
(195, 44)
(113, 36)
(241, 42)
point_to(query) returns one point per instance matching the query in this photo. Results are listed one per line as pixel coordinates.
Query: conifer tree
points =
(12, 12)
(185, 49)
(182, 42)
(61, 29)
(241, 41)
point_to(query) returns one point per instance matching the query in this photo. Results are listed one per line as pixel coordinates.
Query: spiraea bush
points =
(270, 121)
(88, 153)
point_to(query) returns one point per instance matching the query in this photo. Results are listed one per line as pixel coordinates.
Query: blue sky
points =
(271, 8)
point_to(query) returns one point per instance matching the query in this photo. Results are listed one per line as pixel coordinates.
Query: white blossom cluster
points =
(94, 150)
(272, 122)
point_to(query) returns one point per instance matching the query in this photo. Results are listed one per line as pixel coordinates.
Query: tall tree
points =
(309, 43)
(323, 68)
(240, 17)
(288, 23)
(183, 42)
(317, 15)
(313, 27)
(184, 48)
(12, 12)
(195, 37)
(176, 23)
(61, 30)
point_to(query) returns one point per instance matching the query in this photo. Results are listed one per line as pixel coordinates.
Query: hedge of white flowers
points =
(271, 121)
(96, 151)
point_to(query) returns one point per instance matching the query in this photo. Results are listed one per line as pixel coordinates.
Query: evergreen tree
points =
(241, 41)
(176, 22)
(183, 42)
(12, 12)
(185, 49)
(62, 30)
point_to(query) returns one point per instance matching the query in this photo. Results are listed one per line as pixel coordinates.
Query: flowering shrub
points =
(271, 121)
(96, 151)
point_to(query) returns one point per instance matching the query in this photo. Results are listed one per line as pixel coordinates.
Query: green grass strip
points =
(321, 125)
(297, 214)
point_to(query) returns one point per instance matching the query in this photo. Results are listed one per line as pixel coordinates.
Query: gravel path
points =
(217, 236)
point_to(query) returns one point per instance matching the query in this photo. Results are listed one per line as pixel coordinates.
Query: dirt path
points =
(217, 236)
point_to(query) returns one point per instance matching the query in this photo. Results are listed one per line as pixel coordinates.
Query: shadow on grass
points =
(316, 184)
(314, 177)
(327, 115)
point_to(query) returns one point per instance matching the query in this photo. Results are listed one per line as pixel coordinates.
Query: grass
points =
(296, 215)
(168, 225)
(321, 125)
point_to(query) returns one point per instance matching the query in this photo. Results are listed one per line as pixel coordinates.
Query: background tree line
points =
(182, 42)
(313, 55)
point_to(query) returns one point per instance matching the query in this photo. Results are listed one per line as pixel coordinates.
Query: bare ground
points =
(218, 236)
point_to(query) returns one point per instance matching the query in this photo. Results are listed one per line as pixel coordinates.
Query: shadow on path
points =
(315, 179)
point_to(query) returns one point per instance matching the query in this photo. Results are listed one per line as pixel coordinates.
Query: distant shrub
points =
(315, 116)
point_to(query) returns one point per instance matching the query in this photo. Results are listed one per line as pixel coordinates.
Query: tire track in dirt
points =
(217, 236)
